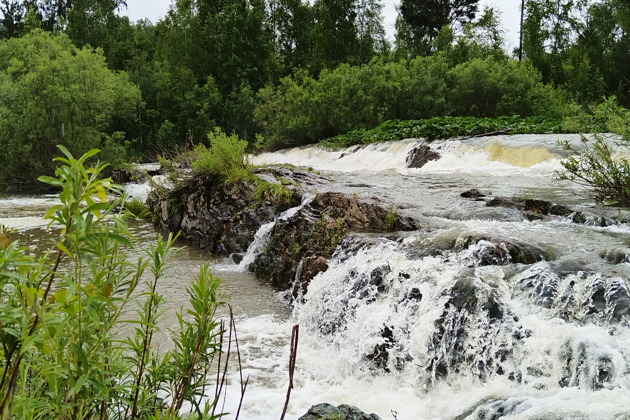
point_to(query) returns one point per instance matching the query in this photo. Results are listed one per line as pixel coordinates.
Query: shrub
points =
(60, 319)
(54, 93)
(596, 167)
(225, 159)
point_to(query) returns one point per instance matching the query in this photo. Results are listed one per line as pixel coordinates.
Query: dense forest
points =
(286, 72)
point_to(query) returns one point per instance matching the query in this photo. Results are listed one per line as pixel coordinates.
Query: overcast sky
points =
(154, 10)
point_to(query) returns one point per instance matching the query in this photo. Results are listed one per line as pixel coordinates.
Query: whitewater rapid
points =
(415, 325)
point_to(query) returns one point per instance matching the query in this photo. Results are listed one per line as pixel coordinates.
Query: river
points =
(386, 328)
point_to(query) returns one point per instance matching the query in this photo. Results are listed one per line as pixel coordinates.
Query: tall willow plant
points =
(62, 355)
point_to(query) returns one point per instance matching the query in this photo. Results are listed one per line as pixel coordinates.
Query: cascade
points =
(487, 311)
(262, 235)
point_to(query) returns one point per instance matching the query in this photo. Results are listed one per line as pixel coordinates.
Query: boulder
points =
(420, 156)
(501, 251)
(214, 216)
(299, 246)
(327, 411)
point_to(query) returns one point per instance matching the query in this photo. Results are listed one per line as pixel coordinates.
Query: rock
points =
(360, 214)
(420, 156)
(473, 193)
(472, 319)
(327, 411)
(616, 255)
(500, 251)
(213, 216)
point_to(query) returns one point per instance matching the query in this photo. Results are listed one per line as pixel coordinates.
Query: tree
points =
(548, 30)
(291, 22)
(54, 93)
(12, 22)
(419, 22)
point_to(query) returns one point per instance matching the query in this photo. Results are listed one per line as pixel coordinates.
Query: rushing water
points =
(414, 326)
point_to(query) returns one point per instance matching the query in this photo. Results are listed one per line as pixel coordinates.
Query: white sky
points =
(154, 10)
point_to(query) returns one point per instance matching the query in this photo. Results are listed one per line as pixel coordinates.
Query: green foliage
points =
(62, 353)
(596, 167)
(391, 218)
(53, 93)
(304, 110)
(606, 117)
(266, 190)
(446, 127)
(137, 209)
(225, 159)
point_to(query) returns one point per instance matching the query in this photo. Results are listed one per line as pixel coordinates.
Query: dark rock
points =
(414, 294)
(473, 193)
(499, 251)
(380, 354)
(511, 203)
(420, 155)
(541, 207)
(315, 231)
(616, 255)
(237, 258)
(222, 219)
(327, 411)
(124, 175)
(453, 348)
(310, 267)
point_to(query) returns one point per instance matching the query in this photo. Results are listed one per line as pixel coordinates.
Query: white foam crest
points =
(379, 157)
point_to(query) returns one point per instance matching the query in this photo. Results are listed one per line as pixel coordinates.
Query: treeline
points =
(295, 71)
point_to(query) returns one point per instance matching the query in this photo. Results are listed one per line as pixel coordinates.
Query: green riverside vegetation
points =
(82, 75)
(67, 349)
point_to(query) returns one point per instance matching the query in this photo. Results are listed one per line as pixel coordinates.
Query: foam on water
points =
(497, 156)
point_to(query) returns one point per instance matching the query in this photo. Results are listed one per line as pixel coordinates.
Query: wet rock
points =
(541, 284)
(618, 299)
(473, 193)
(499, 251)
(312, 235)
(420, 156)
(495, 409)
(616, 255)
(310, 267)
(327, 411)
(589, 365)
(380, 354)
(362, 215)
(473, 334)
(414, 294)
(517, 203)
(222, 219)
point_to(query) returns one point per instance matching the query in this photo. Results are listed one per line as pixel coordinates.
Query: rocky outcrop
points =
(326, 411)
(500, 251)
(299, 246)
(220, 218)
(225, 218)
(420, 156)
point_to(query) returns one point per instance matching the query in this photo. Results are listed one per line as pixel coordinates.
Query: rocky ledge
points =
(225, 218)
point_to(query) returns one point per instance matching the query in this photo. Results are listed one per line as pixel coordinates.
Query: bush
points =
(54, 93)
(596, 168)
(60, 319)
(225, 159)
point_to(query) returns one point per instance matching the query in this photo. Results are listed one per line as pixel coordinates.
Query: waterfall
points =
(262, 235)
